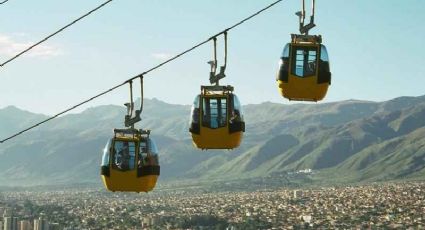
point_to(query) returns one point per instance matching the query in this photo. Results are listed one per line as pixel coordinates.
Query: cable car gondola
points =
(130, 158)
(216, 120)
(304, 73)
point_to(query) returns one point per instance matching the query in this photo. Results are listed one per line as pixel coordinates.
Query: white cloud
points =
(10, 47)
(162, 56)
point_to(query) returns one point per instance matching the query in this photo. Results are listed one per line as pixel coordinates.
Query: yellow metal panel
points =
(302, 89)
(129, 182)
(217, 138)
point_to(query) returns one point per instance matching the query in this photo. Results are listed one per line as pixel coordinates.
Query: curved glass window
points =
(147, 146)
(152, 146)
(153, 151)
(105, 157)
(237, 112)
(304, 61)
(285, 53)
(143, 153)
(124, 155)
(284, 64)
(194, 113)
(214, 112)
(324, 53)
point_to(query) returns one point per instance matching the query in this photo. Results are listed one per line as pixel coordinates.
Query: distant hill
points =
(14, 119)
(347, 141)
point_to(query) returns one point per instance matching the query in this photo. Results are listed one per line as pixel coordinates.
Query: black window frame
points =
(206, 111)
(114, 153)
(293, 51)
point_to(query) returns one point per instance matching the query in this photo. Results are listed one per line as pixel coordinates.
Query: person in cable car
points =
(124, 157)
(235, 116)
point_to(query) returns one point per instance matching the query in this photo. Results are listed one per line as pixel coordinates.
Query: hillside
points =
(342, 146)
(342, 141)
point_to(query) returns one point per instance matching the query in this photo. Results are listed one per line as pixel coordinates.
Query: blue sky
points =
(376, 49)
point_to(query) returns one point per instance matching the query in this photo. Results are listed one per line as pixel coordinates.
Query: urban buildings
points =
(390, 205)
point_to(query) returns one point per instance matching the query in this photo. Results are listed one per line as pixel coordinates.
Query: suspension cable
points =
(146, 72)
(54, 33)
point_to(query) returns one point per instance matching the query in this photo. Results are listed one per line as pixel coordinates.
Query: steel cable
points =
(54, 33)
(146, 72)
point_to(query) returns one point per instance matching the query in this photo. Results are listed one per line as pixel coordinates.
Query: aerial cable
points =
(63, 112)
(3, 2)
(53, 34)
(209, 39)
(146, 72)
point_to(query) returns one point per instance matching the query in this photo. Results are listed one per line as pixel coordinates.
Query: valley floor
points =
(393, 205)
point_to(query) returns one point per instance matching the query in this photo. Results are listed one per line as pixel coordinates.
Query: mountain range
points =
(338, 142)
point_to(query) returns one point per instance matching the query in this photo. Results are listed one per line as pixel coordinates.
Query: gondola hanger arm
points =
(304, 29)
(215, 78)
(132, 116)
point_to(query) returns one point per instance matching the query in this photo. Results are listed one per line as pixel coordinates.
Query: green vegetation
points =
(341, 142)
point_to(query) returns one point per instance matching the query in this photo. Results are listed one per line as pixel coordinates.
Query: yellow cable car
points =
(130, 158)
(130, 161)
(216, 119)
(304, 73)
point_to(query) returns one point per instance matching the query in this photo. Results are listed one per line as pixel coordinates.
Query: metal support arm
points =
(304, 29)
(132, 116)
(215, 78)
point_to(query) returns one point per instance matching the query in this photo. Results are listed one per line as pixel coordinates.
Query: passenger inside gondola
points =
(124, 155)
(235, 116)
(143, 153)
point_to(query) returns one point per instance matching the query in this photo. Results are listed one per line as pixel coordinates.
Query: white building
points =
(41, 224)
(298, 194)
(25, 225)
(10, 223)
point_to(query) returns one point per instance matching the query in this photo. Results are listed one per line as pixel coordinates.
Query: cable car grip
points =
(214, 78)
(132, 116)
(304, 29)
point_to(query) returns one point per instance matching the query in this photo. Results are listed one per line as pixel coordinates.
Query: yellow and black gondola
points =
(130, 158)
(217, 119)
(304, 72)
(130, 161)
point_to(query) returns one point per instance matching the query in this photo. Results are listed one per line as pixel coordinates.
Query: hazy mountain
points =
(13, 119)
(343, 141)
